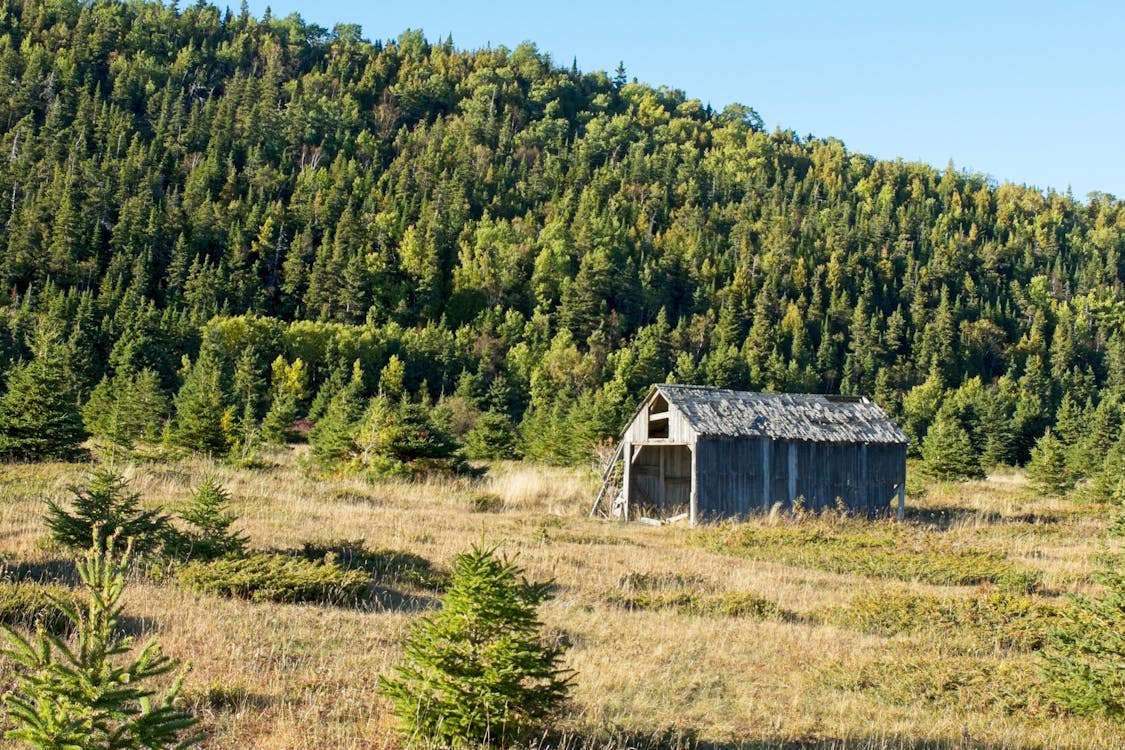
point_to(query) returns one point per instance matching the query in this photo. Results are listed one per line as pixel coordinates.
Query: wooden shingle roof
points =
(718, 412)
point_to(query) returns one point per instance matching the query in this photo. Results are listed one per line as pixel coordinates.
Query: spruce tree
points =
(39, 416)
(104, 503)
(209, 535)
(492, 437)
(332, 438)
(1047, 468)
(94, 693)
(478, 672)
(947, 451)
(1084, 657)
(202, 421)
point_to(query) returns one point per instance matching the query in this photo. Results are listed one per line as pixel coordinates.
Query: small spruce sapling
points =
(93, 694)
(478, 672)
(104, 502)
(209, 535)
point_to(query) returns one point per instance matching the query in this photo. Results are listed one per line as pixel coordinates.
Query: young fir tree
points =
(492, 437)
(125, 410)
(202, 421)
(478, 672)
(105, 503)
(947, 450)
(209, 535)
(94, 693)
(287, 389)
(332, 438)
(39, 416)
(1047, 468)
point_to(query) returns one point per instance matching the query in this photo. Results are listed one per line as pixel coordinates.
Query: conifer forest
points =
(222, 236)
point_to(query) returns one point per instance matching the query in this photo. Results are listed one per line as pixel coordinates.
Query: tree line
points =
(213, 225)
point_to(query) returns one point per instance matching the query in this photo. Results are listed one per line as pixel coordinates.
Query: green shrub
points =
(486, 502)
(690, 595)
(966, 683)
(30, 606)
(478, 672)
(276, 577)
(93, 695)
(998, 619)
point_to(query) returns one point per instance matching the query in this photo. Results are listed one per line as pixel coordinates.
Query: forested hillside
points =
(495, 234)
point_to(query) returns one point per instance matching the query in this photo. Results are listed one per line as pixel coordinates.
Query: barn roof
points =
(718, 412)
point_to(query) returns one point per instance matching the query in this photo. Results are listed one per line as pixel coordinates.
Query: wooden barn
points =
(709, 453)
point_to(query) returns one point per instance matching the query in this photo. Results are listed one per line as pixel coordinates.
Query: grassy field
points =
(816, 632)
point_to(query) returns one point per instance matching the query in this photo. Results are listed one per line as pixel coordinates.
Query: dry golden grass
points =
(288, 676)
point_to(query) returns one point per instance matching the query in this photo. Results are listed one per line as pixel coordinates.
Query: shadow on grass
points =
(945, 517)
(383, 599)
(60, 570)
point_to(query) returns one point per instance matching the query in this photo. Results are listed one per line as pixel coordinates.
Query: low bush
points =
(871, 550)
(276, 577)
(997, 619)
(952, 683)
(29, 606)
(690, 595)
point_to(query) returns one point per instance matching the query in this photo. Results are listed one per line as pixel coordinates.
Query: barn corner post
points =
(627, 480)
(693, 501)
(901, 500)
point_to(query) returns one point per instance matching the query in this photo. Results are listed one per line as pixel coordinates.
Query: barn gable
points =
(712, 453)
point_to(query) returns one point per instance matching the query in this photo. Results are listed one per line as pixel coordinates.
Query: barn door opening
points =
(660, 481)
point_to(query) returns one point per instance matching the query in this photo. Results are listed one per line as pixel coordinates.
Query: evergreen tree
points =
(947, 451)
(1047, 468)
(105, 506)
(493, 437)
(478, 672)
(39, 416)
(203, 419)
(332, 438)
(1084, 657)
(94, 693)
(126, 409)
(209, 535)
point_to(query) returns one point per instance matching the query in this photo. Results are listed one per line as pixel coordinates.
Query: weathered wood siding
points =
(679, 430)
(730, 477)
(740, 476)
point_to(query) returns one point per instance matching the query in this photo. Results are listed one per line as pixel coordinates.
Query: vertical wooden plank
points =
(766, 472)
(864, 494)
(792, 472)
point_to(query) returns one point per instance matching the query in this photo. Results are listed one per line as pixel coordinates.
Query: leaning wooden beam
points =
(605, 478)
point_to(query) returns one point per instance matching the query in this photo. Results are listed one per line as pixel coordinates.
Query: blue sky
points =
(1027, 92)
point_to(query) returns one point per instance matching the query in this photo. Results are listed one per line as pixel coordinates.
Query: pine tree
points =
(1084, 657)
(332, 438)
(39, 416)
(126, 409)
(478, 672)
(1047, 468)
(93, 694)
(288, 389)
